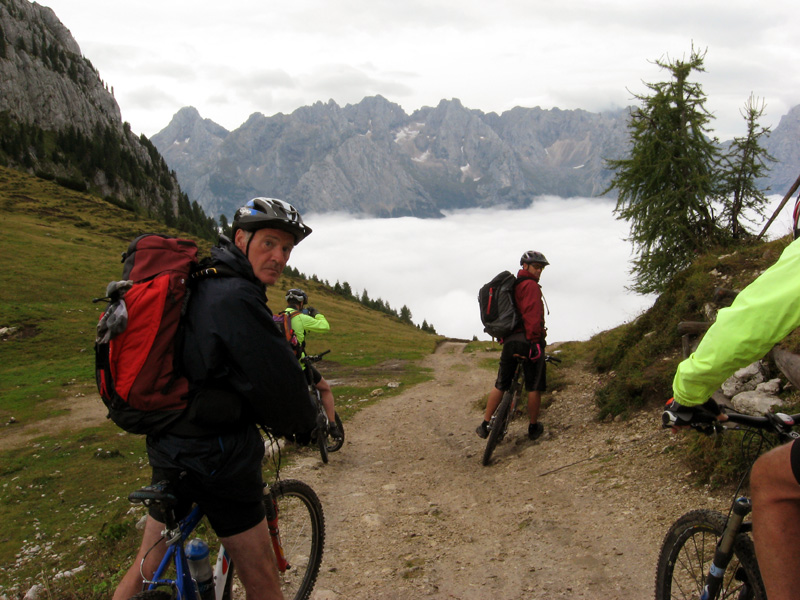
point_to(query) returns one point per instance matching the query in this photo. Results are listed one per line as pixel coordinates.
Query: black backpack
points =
(499, 313)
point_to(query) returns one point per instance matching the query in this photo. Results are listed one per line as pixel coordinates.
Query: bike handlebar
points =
(704, 422)
(312, 358)
(547, 358)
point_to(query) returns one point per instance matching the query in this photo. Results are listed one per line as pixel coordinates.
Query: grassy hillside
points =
(65, 495)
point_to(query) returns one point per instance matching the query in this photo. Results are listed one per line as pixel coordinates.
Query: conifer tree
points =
(744, 163)
(667, 183)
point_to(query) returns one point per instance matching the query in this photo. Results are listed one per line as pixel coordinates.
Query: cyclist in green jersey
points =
(763, 314)
(306, 318)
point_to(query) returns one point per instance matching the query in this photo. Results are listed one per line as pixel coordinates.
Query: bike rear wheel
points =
(322, 442)
(302, 533)
(335, 443)
(686, 555)
(497, 426)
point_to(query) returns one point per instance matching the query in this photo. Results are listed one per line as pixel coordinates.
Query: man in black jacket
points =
(242, 372)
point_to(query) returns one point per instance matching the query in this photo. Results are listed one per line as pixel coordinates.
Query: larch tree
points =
(668, 182)
(745, 162)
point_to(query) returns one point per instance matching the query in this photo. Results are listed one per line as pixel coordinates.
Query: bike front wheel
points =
(497, 427)
(686, 555)
(301, 525)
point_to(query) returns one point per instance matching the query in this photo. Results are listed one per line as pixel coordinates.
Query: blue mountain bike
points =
(296, 526)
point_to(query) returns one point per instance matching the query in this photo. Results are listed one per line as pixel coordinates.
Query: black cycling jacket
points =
(240, 367)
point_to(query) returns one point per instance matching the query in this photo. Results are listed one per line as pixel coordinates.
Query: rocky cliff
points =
(59, 120)
(373, 158)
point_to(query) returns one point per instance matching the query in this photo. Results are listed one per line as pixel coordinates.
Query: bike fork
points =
(724, 551)
(275, 534)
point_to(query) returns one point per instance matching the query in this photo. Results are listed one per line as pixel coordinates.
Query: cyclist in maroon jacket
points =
(528, 340)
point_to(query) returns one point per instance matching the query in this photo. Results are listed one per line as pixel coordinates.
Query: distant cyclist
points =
(529, 341)
(763, 313)
(306, 318)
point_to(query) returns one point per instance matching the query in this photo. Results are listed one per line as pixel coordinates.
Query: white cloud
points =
(436, 266)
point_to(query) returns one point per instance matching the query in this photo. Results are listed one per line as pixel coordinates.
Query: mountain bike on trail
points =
(708, 555)
(326, 441)
(506, 410)
(297, 530)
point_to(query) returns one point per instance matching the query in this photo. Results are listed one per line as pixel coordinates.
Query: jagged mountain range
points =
(373, 158)
(58, 119)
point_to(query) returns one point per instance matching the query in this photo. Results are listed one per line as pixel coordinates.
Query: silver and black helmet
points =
(297, 295)
(262, 213)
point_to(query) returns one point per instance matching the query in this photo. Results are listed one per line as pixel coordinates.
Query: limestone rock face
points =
(44, 78)
(48, 87)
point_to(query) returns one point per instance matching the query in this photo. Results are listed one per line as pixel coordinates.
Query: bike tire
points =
(335, 444)
(686, 555)
(322, 443)
(302, 531)
(153, 595)
(497, 427)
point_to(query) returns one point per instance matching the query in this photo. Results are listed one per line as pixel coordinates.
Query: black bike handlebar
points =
(705, 422)
(312, 358)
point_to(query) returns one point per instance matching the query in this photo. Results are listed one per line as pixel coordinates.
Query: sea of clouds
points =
(436, 266)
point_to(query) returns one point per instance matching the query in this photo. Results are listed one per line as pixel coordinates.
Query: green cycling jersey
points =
(302, 323)
(762, 314)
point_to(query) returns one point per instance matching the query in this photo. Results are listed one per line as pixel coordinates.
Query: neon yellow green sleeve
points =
(762, 314)
(302, 323)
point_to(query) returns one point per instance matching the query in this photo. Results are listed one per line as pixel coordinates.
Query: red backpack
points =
(137, 345)
(284, 322)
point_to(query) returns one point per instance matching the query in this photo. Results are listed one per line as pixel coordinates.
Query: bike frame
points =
(778, 424)
(176, 537)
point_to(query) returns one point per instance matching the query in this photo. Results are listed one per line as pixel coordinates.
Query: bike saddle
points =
(153, 494)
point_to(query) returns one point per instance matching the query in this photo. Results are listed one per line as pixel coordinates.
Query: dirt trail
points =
(411, 512)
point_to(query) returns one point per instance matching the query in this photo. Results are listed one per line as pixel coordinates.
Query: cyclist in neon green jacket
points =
(309, 319)
(763, 314)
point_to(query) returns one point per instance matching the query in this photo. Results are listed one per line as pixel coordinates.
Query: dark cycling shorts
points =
(534, 370)
(220, 473)
(795, 460)
(315, 374)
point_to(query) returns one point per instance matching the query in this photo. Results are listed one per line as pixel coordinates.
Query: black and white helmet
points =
(297, 295)
(262, 213)
(532, 256)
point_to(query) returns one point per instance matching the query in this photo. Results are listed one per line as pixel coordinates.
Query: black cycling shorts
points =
(315, 374)
(535, 371)
(221, 473)
(795, 460)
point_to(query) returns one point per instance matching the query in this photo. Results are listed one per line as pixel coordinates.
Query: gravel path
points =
(411, 512)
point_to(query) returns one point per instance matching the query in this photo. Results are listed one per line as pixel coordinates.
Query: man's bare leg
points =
(776, 523)
(254, 560)
(131, 583)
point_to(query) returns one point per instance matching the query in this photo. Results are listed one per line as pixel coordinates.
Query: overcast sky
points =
(233, 58)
